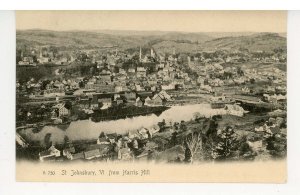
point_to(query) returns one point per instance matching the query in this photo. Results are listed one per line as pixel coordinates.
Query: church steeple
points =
(140, 54)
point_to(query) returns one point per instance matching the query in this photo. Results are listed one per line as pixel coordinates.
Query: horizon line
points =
(24, 29)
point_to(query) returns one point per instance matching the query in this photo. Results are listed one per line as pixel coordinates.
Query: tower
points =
(189, 60)
(152, 53)
(140, 54)
(41, 52)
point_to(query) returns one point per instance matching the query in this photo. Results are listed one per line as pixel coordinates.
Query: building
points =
(119, 101)
(105, 77)
(62, 110)
(102, 140)
(141, 72)
(76, 156)
(130, 95)
(138, 102)
(125, 154)
(156, 100)
(106, 102)
(165, 95)
(118, 88)
(90, 154)
(49, 154)
(148, 101)
(131, 70)
(168, 87)
(94, 103)
(104, 88)
(68, 152)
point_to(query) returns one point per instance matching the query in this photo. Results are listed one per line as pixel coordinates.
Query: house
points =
(49, 154)
(206, 88)
(94, 103)
(104, 88)
(84, 103)
(104, 77)
(138, 102)
(130, 95)
(131, 70)
(156, 100)
(21, 141)
(144, 94)
(168, 87)
(235, 110)
(118, 88)
(89, 85)
(255, 145)
(125, 154)
(106, 102)
(103, 140)
(68, 152)
(138, 87)
(148, 101)
(58, 85)
(74, 85)
(119, 101)
(165, 95)
(90, 154)
(112, 137)
(122, 71)
(161, 65)
(152, 88)
(62, 110)
(141, 72)
(76, 156)
(102, 148)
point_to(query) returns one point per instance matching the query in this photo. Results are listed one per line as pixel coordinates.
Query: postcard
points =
(151, 96)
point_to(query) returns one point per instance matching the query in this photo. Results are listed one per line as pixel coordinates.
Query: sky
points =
(184, 21)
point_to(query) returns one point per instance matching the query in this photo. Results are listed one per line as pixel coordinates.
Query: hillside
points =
(254, 42)
(74, 39)
(98, 39)
(257, 42)
(180, 47)
(161, 41)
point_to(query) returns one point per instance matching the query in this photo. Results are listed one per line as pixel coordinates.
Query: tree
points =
(193, 143)
(276, 146)
(244, 149)
(226, 143)
(66, 141)
(173, 140)
(47, 140)
(162, 125)
(240, 72)
(102, 134)
(68, 105)
(252, 80)
(81, 84)
(182, 126)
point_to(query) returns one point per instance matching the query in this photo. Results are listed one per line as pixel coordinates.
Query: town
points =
(245, 92)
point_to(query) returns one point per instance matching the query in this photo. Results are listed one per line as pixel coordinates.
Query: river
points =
(87, 129)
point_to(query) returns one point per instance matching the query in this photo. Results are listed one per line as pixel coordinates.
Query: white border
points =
(7, 132)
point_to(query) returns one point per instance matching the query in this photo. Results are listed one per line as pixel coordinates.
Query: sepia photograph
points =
(151, 96)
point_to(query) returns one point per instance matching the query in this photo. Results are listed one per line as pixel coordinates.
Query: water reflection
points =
(87, 129)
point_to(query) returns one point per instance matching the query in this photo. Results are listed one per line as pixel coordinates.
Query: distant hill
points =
(161, 41)
(181, 47)
(98, 39)
(74, 39)
(256, 42)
